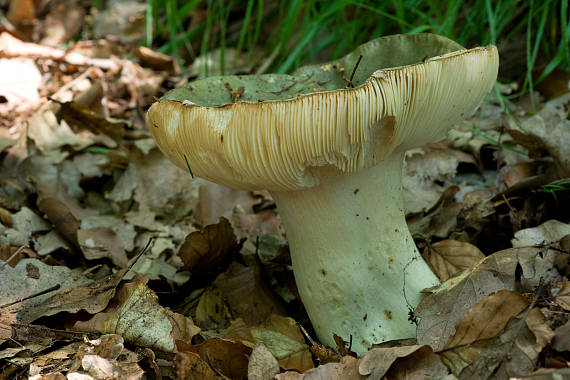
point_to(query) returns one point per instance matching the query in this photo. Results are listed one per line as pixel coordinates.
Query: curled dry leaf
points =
(283, 338)
(262, 364)
(106, 357)
(487, 318)
(247, 295)
(562, 296)
(439, 311)
(102, 242)
(212, 312)
(537, 324)
(190, 366)
(548, 232)
(62, 218)
(28, 277)
(420, 365)
(280, 335)
(203, 250)
(561, 340)
(511, 354)
(346, 369)
(139, 318)
(447, 257)
(539, 135)
(92, 297)
(377, 361)
(224, 356)
(173, 194)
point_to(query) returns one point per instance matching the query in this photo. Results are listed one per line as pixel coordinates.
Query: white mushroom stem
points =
(356, 265)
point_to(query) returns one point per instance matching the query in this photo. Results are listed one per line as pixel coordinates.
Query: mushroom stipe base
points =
(356, 265)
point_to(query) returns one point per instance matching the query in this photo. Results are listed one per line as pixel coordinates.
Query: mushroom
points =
(331, 155)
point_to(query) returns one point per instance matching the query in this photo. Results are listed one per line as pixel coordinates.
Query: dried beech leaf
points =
(284, 339)
(190, 366)
(62, 218)
(203, 250)
(224, 356)
(138, 317)
(212, 312)
(262, 364)
(92, 298)
(347, 369)
(537, 324)
(247, 295)
(548, 232)
(377, 361)
(487, 318)
(101, 242)
(513, 354)
(30, 276)
(420, 365)
(439, 311)
(447, 257)
(561, 340)
(280, 335)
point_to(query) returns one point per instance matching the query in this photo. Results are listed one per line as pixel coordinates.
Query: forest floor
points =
(114, 262)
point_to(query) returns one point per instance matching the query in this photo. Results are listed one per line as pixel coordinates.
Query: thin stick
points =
(55, 287)
(354, 70)
(13, 255)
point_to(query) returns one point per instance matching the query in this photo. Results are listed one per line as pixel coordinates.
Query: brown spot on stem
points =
(388, 314)
(356, 191)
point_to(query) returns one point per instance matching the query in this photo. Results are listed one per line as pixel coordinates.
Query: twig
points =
(349, 81)
(55, 287)
(13, 255)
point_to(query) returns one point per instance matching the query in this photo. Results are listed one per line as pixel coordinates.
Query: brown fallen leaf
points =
(281, 335)
(262, 364)
(156, 60)
(62, 218)
(212, 312)
(203, 250)
(247, 295)
(30, 277)
(63, 21)
(439, 311)
(191, 367)
(226, 357)
(420, 365)
(377, 361)
(487, 319)
(447, 257)
(543, 137)
(92, 297)
(511, 354)
(106, 357)
(346, 369)
(284, 339)
(561, 340)
(139, 318)
(102, 242)
(537, 324)
(548, 232)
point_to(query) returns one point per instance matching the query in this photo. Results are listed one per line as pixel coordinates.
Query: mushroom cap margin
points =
(290, 144)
